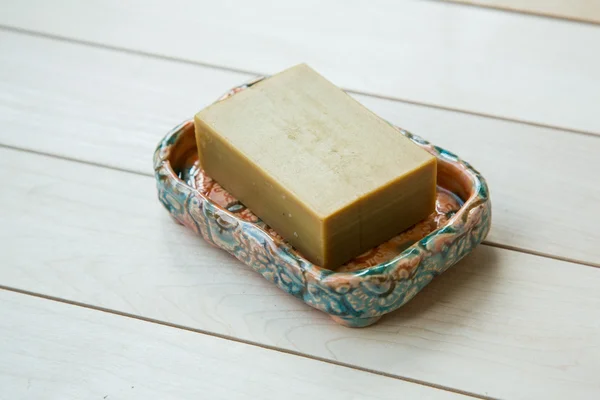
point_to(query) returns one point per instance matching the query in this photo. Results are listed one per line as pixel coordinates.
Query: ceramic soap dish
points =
(361, 291)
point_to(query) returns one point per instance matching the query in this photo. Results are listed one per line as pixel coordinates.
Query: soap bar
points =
(330, 176)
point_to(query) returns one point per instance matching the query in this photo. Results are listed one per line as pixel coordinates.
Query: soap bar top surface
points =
(314, 139)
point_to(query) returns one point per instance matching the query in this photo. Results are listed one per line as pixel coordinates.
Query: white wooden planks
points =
(52, 350)
(501, 324)
(580, 10)
(111, 108)
(504, 64)
(527, 326)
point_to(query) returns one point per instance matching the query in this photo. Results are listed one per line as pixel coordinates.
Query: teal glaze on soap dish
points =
(359, 293)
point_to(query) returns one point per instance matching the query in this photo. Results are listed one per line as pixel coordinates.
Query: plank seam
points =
(129, 171)
(238, 340)
(250, 74)
(540, 254)
(528, 13)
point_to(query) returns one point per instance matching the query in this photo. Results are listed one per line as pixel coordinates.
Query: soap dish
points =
(361, 291)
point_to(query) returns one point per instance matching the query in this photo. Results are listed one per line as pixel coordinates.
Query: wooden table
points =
(103, 297)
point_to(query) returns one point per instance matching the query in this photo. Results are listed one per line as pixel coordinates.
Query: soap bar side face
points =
(380, 215)
(398, 205)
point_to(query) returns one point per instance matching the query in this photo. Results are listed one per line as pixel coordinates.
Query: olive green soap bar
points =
(326, 173)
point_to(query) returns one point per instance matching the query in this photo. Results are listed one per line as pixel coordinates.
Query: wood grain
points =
(468, 58)
(110, 108)
(578, 10)
(500, 324)
(52, 350)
